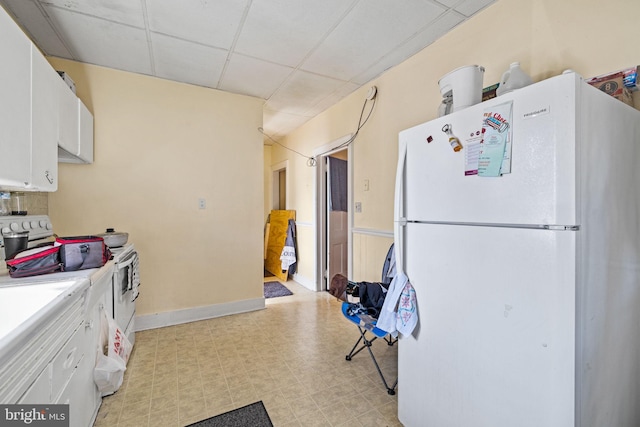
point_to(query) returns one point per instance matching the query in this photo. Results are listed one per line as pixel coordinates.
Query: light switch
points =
(358, 207)
(366, 185)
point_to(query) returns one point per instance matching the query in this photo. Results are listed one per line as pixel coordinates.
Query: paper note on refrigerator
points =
(494, 158)
(472, 152)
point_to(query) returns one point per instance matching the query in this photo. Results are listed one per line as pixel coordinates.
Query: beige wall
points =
(546, 36)
(267, 181)
(159, 147)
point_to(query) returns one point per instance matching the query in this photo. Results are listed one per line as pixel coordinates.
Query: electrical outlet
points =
(358, 207)
(202, 204)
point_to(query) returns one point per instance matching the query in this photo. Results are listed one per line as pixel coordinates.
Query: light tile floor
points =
(290, 355)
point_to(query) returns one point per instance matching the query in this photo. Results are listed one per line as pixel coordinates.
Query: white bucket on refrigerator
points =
(464, 84)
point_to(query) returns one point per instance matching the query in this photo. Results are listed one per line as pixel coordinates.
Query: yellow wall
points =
(547, 36)
(159, 147)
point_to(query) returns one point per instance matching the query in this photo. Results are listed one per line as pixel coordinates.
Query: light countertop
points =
(26, 307)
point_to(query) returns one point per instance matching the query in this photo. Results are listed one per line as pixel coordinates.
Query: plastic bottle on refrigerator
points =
(512, 79)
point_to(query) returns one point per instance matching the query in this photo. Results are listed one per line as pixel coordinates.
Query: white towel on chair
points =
(399, 311)
(407, 310)
(387, 318)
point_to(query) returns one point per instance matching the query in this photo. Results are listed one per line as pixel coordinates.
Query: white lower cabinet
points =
(67, 377)
(78, 393)
(65, 362)
(40, 390)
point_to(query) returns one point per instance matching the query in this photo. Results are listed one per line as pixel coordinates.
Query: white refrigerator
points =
(527, 283)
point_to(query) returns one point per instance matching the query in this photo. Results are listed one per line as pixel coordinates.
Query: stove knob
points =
(6, 229)
(34, 224)
(26, 225)
(49, 226)
(15, 226)
(43, 223)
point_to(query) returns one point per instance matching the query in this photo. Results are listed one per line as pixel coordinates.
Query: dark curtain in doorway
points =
(338, 184)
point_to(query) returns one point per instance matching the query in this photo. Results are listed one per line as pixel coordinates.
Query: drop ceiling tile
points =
(123, 11)
(300, 91)
(431, 33)
(277, 124)
(298, 25)
(101, 42)
(38, 28)
(470, 7)
(213, 23)
(331, 99)
(254, 77)
(193, 63)
(369, 32)
(450, 3)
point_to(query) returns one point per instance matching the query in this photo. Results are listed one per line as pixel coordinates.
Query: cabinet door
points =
(40, 391)
(85, 133)
(68, 119)
(15, 105)
(44, 124)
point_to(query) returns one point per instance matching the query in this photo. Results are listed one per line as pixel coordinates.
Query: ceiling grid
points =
(300, 56)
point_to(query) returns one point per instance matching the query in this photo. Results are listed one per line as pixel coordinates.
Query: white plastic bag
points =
(112, 356)
(119, 345)
(108, 373)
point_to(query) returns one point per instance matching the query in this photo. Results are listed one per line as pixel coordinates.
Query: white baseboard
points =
(304, 281)
(177, 317)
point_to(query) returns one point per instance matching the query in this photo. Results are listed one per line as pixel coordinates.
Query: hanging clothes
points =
(288, 256)
(372, 295)
(389, 266)
(337, 184)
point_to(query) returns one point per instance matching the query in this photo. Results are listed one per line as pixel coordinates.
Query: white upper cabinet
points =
(85, 152)
(68, 118)
(75, 134)
(41, 120)
(44, 124)
(15, 105)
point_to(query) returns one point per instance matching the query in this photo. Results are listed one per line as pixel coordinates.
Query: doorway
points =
(337, 211)
(279, 187)
(277, 201)
(333, 222)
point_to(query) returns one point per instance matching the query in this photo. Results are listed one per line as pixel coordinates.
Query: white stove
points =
(126, 281)
(38, 226)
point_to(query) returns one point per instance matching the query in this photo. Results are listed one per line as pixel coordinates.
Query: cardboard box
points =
(613, 84)
(489, 92)
(631, 78)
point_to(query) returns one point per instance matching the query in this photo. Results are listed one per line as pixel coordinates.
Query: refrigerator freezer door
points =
(495, 341)
(539, 190)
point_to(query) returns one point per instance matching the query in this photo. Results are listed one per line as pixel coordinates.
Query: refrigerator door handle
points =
(399, 220)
